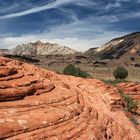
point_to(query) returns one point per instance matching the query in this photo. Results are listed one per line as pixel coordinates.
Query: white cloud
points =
(122, 0)
(117, 4)
(79, 34)
(51, 5)
(121, 16)
(86, 3)
(9, 8)
(75, 43)
(129, 15)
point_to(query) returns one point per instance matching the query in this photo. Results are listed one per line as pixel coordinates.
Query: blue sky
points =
(79, 24)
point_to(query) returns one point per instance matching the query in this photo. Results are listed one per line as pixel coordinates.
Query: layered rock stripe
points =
(39, 104)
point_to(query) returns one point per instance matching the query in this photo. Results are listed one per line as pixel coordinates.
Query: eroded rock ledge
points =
(39, 104)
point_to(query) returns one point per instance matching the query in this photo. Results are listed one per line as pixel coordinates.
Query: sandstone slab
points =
(39, 104)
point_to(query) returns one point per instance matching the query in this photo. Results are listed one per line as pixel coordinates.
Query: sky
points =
(78, 24)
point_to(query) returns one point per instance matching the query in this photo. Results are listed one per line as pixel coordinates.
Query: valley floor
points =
(103, 73)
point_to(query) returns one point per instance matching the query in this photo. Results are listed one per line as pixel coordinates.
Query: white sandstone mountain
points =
(40, 48)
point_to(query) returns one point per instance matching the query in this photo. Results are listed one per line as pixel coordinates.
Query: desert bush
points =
(134, 121)
(130, 104)
(81, 73)
(23, 58)
(120, 73)
(112, 82)
(72, 70)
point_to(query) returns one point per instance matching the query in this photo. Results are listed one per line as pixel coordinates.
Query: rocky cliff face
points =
(4, 51)
(118, 47)
(40, 48)
(40, 104)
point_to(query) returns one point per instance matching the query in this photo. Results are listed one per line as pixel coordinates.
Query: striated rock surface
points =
(39, 104)
(133, 90)
(40, 48)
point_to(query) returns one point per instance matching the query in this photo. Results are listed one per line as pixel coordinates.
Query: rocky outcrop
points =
(39, 104)
(40, 48)
(125, 46)
(133, 90)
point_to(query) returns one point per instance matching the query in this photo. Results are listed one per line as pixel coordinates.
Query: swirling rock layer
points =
(39, 104)
(133, 90)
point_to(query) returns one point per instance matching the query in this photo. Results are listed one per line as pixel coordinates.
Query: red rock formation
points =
(39, 104)
(133, 90)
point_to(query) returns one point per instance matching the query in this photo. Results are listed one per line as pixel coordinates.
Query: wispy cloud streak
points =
(51, 5)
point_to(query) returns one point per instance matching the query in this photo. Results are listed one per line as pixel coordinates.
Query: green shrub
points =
(120, 73)
(82, 73)
(130, 104)
(134, 121)
(112, 82)
(72, 70)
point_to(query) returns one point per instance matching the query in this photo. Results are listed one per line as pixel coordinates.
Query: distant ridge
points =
(4, 51)
(118, 47)
(40, 48)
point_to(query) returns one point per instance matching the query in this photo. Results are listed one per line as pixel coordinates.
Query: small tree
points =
(129, 102)
(72, 70)
(81, 73)
(120, 73)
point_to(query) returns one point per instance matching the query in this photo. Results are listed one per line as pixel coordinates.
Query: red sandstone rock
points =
(133, 90)
(39, 104)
